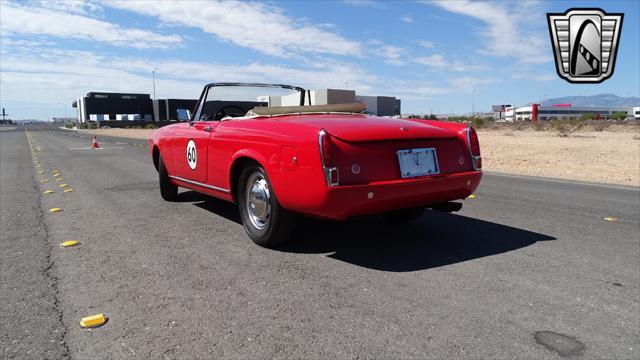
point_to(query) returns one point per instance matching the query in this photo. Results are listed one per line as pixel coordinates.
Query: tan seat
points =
(329, 108)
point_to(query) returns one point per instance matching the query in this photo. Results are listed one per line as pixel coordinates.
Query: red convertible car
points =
(326, 161)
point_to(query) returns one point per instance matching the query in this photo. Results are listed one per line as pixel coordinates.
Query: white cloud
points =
(508, 30)
(17, 19)
(471, 83)
(407, 19)
(544, 78)
(436, 61)
(535, 77)
(72, 6)
(367, 3)
(392, 54)
(259, 26)
(426, 44)
(49, 76)
(439, 62)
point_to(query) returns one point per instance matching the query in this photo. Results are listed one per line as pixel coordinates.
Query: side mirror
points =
(183, 114)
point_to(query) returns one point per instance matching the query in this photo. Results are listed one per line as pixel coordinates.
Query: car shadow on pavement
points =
(436, 239)
(219, 207)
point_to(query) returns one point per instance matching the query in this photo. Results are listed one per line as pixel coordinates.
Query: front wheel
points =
(168, 191)
(267, 223)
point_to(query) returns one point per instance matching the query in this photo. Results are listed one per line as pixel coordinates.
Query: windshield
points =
(228, 100)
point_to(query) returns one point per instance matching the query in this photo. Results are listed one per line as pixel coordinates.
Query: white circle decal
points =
(192, 155)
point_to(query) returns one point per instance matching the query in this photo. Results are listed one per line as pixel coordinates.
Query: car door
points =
(189, 150)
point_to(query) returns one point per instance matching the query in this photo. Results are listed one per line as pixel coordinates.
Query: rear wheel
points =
(266, 222)
(168, 191)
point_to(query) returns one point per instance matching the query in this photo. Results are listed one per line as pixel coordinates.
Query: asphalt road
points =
(528, 269)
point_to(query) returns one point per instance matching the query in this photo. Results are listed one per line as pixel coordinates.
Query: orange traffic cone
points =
(95, 145)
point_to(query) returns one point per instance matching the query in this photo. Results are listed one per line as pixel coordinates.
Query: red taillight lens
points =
(328, 162)
(327, 151)
(474, 144)
(474, 148)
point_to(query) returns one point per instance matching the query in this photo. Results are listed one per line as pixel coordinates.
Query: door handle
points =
(207, 128)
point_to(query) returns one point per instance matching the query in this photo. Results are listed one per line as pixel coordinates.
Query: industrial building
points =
(107, 107)
(376, 105)
(97, 106)
(535, 112)
(173, 109)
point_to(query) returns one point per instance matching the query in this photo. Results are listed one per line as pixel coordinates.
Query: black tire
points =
(404, 216)
(168, 191)
(279, 224)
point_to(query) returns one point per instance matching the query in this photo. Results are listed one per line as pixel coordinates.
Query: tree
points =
(587, 116)
(619, 115)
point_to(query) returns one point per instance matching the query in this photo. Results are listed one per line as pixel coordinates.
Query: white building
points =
(376, 105)
(536, 112)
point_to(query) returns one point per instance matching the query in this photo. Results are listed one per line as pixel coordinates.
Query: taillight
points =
(327, 150)
(474, 148)
(328, 161)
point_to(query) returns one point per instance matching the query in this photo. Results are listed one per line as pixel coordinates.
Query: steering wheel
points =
(223, 111)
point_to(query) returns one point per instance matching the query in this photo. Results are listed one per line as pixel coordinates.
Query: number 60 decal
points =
(192, 155)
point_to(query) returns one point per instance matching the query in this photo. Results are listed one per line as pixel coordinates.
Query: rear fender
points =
(246, 154)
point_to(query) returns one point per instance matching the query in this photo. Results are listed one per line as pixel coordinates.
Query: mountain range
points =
(610, 100)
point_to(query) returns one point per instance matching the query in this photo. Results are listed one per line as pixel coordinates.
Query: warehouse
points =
(173, 109)
(102, 106)
(537, 112)
(111, 108)
(376, 105)
(107, 108)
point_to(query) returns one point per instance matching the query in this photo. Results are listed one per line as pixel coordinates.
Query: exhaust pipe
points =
(448, 207)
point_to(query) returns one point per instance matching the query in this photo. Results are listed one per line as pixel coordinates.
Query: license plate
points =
(418, 162)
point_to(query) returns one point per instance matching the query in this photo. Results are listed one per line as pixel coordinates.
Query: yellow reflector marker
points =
(471, 196)
(69, 190)
(41, 172)
(59, 179)
(64, 185)
(611, 218)
(69, 243)
(38, 166)
(56, 174)
(53, 210)
(49, 192)
(44, 180)
(93, 321)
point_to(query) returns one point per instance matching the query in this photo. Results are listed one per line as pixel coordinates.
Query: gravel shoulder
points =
(611, 156)
(124, 133)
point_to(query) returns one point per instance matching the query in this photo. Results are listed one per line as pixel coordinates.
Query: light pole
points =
(153, 74)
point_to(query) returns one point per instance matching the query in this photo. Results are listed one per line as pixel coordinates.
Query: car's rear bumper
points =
(342, 202)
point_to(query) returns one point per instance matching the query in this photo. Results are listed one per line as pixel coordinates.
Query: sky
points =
(434, 55)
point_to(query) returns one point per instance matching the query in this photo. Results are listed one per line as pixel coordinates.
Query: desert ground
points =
(609, 156)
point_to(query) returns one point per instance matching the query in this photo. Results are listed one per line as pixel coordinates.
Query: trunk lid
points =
(365, 128)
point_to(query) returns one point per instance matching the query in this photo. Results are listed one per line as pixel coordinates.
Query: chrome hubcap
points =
(258, 202)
